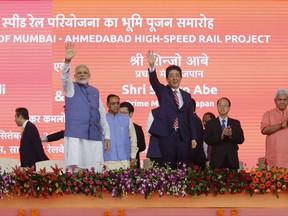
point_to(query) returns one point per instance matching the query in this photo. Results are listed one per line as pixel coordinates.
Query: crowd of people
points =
(177, 135)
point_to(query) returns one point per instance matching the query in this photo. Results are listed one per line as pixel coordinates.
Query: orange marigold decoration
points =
(262, 186)
(34, 212)
(121, 212)
(234, 212)
(268, 184)
(220, 212)
(253, 186)
(21, 212)
(252, 172)
(268, 175)
(255, 180)
(279, 176)
(259, 174)
(107, 212)
(279, 184)
(272, 187)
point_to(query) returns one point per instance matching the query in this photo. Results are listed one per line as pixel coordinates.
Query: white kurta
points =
(82, 153)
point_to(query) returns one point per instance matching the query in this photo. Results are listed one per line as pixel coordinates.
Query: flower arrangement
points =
(274, 180)
(217, 181)
(7, 183)
(145, 182)
(31, 183)
(164, 181)
(84, 181)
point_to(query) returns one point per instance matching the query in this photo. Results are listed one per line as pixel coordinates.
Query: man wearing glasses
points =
(224, 134)
(274, 125)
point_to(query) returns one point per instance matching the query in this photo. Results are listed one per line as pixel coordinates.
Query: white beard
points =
(83, 81)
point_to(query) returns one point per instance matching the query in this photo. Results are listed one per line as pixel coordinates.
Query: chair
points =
(7, 164)
(50, 163)
(261, 163)
(241, 165)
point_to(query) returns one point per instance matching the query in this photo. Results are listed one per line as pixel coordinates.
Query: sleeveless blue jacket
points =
(82, 116)
(119, 137)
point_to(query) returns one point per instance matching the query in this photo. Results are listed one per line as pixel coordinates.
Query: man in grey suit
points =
(224, 134)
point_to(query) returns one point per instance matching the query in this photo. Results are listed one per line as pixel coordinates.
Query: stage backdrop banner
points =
(235, 49)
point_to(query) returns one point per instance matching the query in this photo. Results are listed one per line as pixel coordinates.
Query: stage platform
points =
(230, 204)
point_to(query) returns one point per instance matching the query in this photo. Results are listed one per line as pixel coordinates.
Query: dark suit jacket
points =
(168, 110)
(31, 149)
(55, 136)
(153, 149)
(197, 155)
(226, 146)
(140, 142)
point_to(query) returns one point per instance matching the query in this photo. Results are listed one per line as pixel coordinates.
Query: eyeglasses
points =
(223, 105)
(282, 100)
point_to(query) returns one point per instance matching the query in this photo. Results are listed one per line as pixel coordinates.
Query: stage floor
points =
(258, 204)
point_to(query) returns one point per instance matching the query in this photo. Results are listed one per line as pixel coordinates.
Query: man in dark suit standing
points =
(224, 134)
(173, 123)
(207, 149)
(197, 156)
(31, 149)
(128, 109)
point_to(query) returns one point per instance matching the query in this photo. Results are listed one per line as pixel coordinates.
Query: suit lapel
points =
(170, 92)
(184, 98)
(228, 122)
(218, 124)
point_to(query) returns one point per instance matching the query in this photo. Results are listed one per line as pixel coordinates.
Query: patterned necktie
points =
(176, 123)
(223, 124)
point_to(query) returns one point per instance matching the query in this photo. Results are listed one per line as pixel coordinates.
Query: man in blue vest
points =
(122, 153)
(128, 109)
(85, 121)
